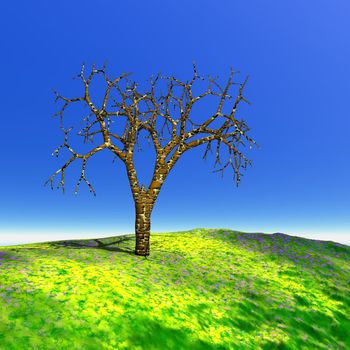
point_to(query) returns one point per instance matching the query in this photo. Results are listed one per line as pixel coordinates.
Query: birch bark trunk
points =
(143, 207)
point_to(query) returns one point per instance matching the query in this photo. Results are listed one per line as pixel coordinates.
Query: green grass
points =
(199, 289)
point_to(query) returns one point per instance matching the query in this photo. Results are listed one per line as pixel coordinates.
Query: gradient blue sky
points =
(297, 54)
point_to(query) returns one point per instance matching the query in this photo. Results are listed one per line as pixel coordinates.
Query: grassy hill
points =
(199, 289)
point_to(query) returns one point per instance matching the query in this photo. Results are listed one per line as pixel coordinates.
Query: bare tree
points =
(128, 103)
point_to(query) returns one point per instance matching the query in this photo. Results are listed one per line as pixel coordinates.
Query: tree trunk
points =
(143, 207)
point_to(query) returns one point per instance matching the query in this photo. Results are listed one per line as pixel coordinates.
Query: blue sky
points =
(297, 55)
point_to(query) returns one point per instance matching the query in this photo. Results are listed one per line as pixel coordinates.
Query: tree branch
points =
(75, 155)
(127, 103)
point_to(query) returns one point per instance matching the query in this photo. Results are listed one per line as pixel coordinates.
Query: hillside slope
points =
(199, 289)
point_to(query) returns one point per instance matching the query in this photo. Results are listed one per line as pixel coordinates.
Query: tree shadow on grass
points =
(109, 243)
